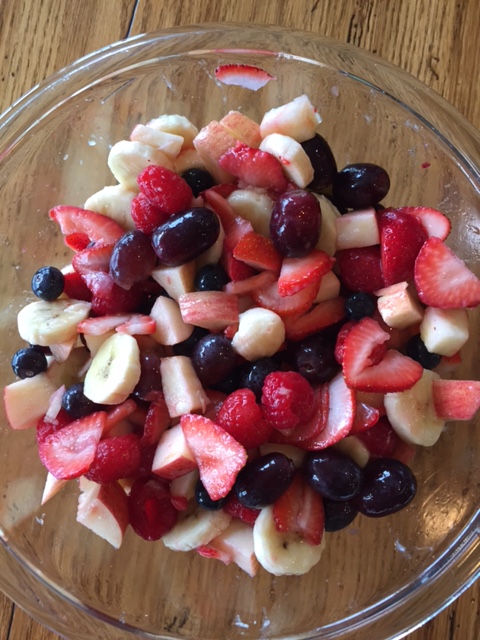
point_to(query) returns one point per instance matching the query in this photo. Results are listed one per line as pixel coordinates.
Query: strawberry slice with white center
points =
(254, 167)
(253, 283)
(456, 399)
(297, 273)
(218, 455)
(102, 324)
(258, 252)
(97, 227)
(435, 223)
(69, 452)
(296, 304)
(300, 510)
(394, 372)
(443, 280)
(243, 75)
(94, 259)
(323, 315)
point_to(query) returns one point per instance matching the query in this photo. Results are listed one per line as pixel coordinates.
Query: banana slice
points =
(115, 370)
(282, 554)
(47, 323)
(196, 528)
(295, 162)
(412, 413)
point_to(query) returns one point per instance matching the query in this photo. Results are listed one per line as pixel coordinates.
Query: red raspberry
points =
(146, 216)
(242, 418)
(165, 189)
(287, 400)
(115, 458)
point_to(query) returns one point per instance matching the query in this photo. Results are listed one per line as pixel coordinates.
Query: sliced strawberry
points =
(108, 298)
(323, 315)
(401, 238)
(434, 222)
(258, 252)
(443, 280)
(207, 551)
(77, 241)
(300, 510)
(296, 304)
(381, 440)
(395, 372)
(223, 190)
(236, 509)
(46, 427)
(236, 270)
(219, 456)
(243, 75)
(365, 417)
(102, 324)
(241, 417)
(97, 227)
(151, 512)
(378, 351)
(138, 324)
(157, 421)
(287, 400)
(297, 273)
(115, 458)
(212, 310)
(74, 287)
(253, 283)
(254, 167)
(456, 399)
(119, 413)
(361, 268)
(69, 452)
(96, 258)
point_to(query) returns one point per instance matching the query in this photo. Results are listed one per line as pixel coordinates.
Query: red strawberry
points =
(401, 238)
(296, 304)
(165, 189)
(223, 190)
(253, 283)
(156, 421)
(381, 440)
(150, 509)
(241, 417)
(108, 298)
(219, 456)
(77, 241)
(146, 215)
(97, 227)
(395, 372)
(243, 75)
(236, 509)
(300, 510)
(138, 324)
(254, 167)
(47, 427)
(361, 268)
(376, 355)
(69, 452)
(258, 252)
(103, 324)
(297, 273)
(435, 223)
(74, 287)
(95, 258)
(115, 458)
(365, 417)
(443, 280)
(287, 400)
(323, 315)
(119, 413)
(236, 270)
(456, 399)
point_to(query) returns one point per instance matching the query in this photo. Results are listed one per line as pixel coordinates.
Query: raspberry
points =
(115, 458)
(287, 400)
(146, 216)
(242, 418)
(236, 509)
(165, 189)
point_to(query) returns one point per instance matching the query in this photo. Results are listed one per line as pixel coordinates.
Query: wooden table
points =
(436, 41)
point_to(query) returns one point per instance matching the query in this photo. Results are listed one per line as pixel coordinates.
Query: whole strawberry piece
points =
(254, 167)
(242, 418)
(361, 268)
(150, 509)
(165, 189)
(287, 400)
(117, 457)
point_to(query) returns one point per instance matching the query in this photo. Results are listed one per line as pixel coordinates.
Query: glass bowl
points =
(378, 579)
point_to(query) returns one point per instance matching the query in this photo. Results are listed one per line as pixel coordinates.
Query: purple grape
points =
(332, 474)
(254, 373)
(150, 378)
(264, 480)
(388, 486)
(338, 515)
(133, 259)
(295, 223)
(360, 185)
(323, 162)
(213, 358)
(185, 236)
(314, 358)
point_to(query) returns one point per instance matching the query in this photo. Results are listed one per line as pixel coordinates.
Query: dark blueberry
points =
(295, 223)
(29, 362)
(417, 350)
(361, 185)
(76, 403)
(323, 162)
(213, 358)
(229, 384)
(133, 259)
(211, 277)
(360, 305)
(204, 500)
(388, 486)
(332, 474)
(264, 480)
(338, 515)
(185, 348)
(48, 283)
(314, 358)
(254, 373)
(150, 382)
(198, 180)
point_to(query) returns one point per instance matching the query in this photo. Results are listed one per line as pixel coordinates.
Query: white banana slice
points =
(283, 554)
(115, 370)
(196, 527)
(328, 235)
(47, 323)
(298, 119)
(176, 125)
(412, 413)
(295, 163)
(128, 158)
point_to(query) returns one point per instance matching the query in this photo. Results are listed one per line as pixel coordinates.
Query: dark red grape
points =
(295, 224)
(150, 379)
(198, 180)
(150, 509)
(133, 259)
(213, 358)
(388, 486)
(333, 474)
(185, 348)
(338, 515)
(360, 185)
(185, 236)
(254, 373)
(264, 480)
(323, 162)
(314, 358)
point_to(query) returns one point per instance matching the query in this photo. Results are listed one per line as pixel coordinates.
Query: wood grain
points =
(435, 41)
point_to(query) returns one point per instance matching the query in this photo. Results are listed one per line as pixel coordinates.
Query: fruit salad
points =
(248, 344)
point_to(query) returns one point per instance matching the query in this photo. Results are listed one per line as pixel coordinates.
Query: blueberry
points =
(253, 374)
(76, 403)
(213, 358)
(417, 350)
(198, 180)
(360, 305)
(48, 283)
(29, 362)
(204, 500)
(185, 348)
(211, 277)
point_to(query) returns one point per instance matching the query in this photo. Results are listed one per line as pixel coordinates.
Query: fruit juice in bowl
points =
(240, 346)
